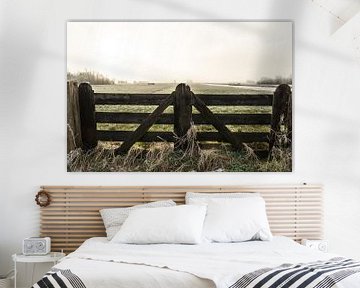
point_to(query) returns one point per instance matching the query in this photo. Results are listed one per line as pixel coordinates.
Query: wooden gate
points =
(183, 117)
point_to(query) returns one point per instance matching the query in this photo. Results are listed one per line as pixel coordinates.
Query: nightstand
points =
(53, 257)
(320, 245)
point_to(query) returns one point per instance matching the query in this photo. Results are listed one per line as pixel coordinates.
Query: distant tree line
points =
(274, 81)
(94, 78)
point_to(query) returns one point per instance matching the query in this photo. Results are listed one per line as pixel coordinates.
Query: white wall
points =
(33, 107)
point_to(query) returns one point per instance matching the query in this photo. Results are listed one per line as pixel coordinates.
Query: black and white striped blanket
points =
(59, 278)
(320, 274)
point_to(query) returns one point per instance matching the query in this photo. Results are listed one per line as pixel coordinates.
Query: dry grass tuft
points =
(250, 154)
(281, 161)
(96, 160)
(161, 157)
(192, 148)
(213, 160)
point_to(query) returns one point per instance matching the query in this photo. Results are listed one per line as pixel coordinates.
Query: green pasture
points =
(169, 87)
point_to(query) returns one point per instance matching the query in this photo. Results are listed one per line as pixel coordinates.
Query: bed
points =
(294, 211)
(99, 263)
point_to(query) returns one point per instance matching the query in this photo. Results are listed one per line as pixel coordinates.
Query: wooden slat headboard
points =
(73, 215)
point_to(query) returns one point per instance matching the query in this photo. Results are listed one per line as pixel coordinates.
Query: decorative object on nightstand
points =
(320, 245)
(53, 257)
(36, 246)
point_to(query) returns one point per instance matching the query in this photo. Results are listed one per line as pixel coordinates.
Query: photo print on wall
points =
(179, 96)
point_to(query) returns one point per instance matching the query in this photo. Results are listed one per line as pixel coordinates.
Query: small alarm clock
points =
(36, 246)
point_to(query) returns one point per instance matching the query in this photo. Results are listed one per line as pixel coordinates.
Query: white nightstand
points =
(53, 257)
(320, 245)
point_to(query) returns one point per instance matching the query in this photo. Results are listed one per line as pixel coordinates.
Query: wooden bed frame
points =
(73, 215)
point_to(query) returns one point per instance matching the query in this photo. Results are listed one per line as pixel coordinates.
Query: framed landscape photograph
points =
(179, 96)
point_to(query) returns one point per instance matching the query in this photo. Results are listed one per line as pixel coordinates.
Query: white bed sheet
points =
(100, 263)
(103, 274)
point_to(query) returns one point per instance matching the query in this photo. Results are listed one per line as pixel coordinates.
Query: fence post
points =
(73, 117)
(281, 112)
(182, 114)
(87, 116)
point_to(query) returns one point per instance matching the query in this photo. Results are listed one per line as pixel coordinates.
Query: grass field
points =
(169, 87)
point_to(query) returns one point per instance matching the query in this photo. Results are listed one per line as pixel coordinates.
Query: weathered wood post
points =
(73, 117)
(281, 113)
(182, 114)
(87, 116)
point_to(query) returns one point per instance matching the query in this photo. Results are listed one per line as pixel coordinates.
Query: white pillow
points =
(236, 220)
(180, 224)
(204, 198)
(113, 218)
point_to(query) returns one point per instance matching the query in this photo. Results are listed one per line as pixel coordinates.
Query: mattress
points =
(99, 263)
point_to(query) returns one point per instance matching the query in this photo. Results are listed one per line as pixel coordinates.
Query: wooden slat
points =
(73, 216)
(51, 218)
(96, 213)
(78, 196)
(209, 99)
(136, 118)
(129, 99)
(112, 198)
(245, 137)
(173, 192)
(185, 189)
(304, 195)
(75, 230)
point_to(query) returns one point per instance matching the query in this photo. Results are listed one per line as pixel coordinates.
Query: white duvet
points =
(100, 263)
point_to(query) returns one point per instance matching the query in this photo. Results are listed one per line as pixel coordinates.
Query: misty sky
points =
(181, 51)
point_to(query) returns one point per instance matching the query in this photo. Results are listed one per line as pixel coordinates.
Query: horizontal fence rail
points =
(133, 118)
(209, 99)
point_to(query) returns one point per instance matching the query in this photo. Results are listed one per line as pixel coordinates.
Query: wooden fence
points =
(182, 100)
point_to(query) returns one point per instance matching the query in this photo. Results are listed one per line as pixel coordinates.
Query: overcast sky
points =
(181, 51)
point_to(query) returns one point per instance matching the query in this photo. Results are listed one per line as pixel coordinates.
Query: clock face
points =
(40, 245)
(35, 246)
